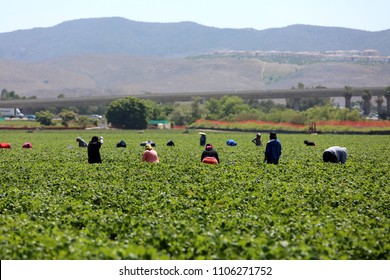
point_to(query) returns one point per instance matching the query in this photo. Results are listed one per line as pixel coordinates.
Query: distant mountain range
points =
(122, 36)
(116, 56)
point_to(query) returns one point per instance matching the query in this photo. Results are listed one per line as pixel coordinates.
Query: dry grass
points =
(120, 74)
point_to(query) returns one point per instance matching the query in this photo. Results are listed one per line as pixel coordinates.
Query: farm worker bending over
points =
(273, 149)
(231, 142)
(94, 150)
(170, 143)
(150, 155)
(27, 145)
(121, 144)
(82, 143)
(335, 154)
(257, 141)
(5, 146)
(209, 155)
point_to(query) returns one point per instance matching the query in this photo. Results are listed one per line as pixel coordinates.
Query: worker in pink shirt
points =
(150, 155)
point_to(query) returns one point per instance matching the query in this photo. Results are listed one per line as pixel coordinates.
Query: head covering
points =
(258, 134)
(209, 146)
(148, 146)
(27, 145)
(329, 157)
(202, 133)
(78, 138)
(272, 135)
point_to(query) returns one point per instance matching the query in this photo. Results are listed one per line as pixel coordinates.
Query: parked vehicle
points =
(11, 113)
(96, 117)
(31, 117)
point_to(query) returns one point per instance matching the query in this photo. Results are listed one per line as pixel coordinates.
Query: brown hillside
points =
(122, 74)
(333, 75)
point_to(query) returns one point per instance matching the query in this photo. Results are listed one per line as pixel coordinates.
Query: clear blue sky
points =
(372, 15)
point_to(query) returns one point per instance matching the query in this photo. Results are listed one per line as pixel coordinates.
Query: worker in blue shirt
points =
(273, 149)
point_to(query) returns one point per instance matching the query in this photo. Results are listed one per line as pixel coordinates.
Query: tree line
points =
(134, 113)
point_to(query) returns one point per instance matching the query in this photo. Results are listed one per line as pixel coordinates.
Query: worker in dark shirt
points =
(202, 139)
(94, 150)
(209, 155)
(273, 149)
(257, 140)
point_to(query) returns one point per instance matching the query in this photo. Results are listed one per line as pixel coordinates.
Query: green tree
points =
(84, 121)
(307, 103)
(232, 105)
(158, 111)
(182, 114)
(197, 108)
(387, 95)
(348, 96)
(366, 102)
(379, 101)
(45, 117)
(67, 116)
(321, 113)
(353, 115)
(265, 105)
(8, 95)
(129, 112)
(213, 108)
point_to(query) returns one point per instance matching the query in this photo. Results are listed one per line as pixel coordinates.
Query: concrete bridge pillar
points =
(296, 103)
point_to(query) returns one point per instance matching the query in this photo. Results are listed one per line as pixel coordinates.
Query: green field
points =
(54, 205)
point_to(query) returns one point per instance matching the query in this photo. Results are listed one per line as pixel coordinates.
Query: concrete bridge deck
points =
(187, 96)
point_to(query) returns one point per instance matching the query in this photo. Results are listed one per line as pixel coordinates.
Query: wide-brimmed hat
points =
(148, 146)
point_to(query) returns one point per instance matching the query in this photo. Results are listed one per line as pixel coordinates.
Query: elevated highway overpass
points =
(30, 105)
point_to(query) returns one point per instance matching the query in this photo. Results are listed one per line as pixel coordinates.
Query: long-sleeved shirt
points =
(273, 151)
(340, 152)
(209, 153)
(94, 152)
(82, 143)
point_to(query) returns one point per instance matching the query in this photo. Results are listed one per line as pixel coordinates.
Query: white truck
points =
(11, 113)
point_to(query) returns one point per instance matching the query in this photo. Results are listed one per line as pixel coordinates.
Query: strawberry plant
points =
(54, 205)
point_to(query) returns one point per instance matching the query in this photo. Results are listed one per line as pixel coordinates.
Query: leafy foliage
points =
(8, 95)
(45, 117)
(54, 205)
(128, 112)
(67, 116)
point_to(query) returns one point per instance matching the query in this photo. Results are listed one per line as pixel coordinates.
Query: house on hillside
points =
(160, 124)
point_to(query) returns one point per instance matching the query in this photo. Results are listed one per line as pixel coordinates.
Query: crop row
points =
(54, 205)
